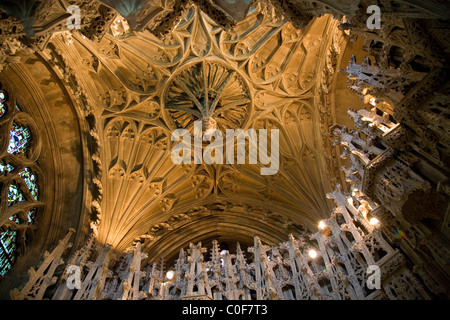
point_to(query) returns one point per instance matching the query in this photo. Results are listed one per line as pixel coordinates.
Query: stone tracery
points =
(20, 148)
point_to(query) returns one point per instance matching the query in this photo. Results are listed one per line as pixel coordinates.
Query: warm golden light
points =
(170, 274)
(373, 221)
(322, 225)
(312, 253)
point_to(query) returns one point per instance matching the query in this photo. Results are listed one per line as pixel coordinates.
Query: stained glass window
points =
(7, 251)
(15, 195)
(30, 179)
(19, 141)
(15, 218)
(2, 103)
(32, 215)
(5, 168)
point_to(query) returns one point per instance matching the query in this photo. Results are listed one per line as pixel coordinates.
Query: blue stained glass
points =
(15, 218)
(30, 179)
(8, 238)
(19, 139)
(14, 194)
(32, 215)
(5, 168)
(7, 251)
(2, 103)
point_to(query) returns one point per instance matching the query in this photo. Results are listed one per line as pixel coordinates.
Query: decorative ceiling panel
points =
(262, 74)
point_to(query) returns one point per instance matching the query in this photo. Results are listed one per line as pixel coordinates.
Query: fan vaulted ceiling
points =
(263, 73)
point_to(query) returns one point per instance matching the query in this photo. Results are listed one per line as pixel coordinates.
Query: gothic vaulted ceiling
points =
(264, 73)
(138, 88)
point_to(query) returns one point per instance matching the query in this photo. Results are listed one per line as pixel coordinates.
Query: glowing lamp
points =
(170, 274)
(373, 221)
(322, 225)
